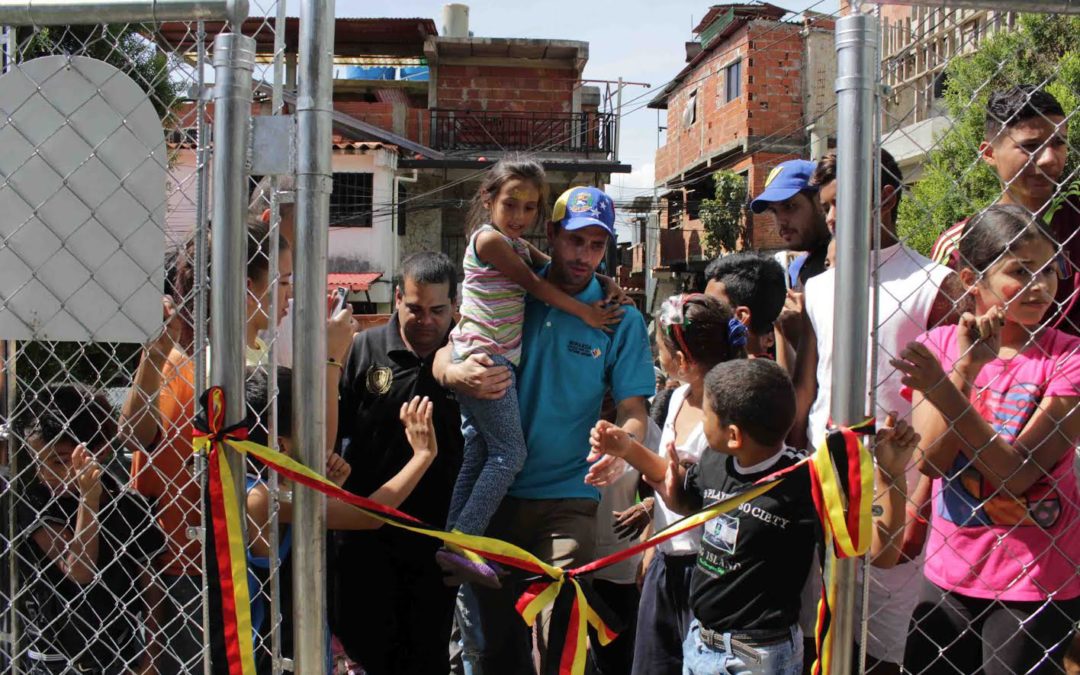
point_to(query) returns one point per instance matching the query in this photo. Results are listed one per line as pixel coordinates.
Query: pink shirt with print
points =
(986, 544)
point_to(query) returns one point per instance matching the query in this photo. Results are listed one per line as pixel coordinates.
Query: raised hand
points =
(671, 487)
(895, 443)
(340, 329)
(158, 349)
(979, 338)
(87, 475)
(416, 416)
(922, 370)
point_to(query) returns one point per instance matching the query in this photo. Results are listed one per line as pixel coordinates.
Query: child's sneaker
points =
(463, 570)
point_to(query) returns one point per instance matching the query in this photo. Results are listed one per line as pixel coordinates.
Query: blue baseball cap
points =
(784, 182)
(581, 207)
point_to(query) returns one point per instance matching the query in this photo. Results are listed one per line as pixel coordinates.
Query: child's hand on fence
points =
(419, 429)
(87, 475)
(922, 370)
(894, 444)
(337, 469)
(979, 338)
(608, 439)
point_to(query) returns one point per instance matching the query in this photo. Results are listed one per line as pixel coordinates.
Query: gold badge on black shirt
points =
(379, 379)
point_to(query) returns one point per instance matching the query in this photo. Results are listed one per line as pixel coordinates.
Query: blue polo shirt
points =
(566, 367)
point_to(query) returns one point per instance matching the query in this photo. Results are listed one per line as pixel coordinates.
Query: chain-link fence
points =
(106, 192)
(976, 263)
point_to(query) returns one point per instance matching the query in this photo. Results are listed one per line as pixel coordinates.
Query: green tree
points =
(123, 46)
(724, 217)
(955, 183)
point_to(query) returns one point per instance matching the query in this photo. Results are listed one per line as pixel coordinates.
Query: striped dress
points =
(492, 306)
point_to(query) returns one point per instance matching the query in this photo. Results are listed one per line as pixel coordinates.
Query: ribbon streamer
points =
(575, 608)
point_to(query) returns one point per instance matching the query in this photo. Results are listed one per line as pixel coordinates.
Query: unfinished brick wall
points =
(770, 107)
(506, 88)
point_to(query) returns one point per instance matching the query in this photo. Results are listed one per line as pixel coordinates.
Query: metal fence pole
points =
(1049, 6)
(67, 12)
(234, 62)
(313, 185)
(856, 57)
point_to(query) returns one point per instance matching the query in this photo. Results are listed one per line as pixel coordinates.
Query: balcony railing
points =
(680, 246)
(471, 131)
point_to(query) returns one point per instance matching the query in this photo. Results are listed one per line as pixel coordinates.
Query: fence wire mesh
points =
(101, 495)
(101, 498)
(980, 205)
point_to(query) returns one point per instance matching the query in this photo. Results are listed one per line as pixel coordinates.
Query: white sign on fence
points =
(82, 203)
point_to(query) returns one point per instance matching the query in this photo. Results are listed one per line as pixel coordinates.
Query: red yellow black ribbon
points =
(848, 529)
(232, 647)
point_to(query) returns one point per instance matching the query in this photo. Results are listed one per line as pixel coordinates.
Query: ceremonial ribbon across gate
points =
(842, 496)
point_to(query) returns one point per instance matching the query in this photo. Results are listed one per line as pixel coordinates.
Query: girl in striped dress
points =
(499, 270)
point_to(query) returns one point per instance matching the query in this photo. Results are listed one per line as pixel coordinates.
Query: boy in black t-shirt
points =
(754, 560)
(86, 541)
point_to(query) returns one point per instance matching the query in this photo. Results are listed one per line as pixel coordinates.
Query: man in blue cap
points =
(800, 220)
(566, 368)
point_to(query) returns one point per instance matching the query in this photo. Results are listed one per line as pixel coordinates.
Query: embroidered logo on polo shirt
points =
(379, 379)
(582, 349)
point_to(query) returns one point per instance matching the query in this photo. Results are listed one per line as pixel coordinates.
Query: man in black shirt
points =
(389, 605)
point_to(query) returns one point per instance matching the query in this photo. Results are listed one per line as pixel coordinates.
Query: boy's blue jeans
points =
(733, 657)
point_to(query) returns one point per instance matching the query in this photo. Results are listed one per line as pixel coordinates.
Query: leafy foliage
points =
(724, 217)
(955, 182)
(123, 46)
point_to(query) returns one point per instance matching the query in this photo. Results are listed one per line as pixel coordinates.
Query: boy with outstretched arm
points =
(754, 560)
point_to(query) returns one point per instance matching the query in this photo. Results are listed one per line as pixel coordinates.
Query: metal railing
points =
(468, 131)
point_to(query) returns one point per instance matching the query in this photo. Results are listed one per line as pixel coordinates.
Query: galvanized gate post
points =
(234, 62)
(856, 56)
(313, 185)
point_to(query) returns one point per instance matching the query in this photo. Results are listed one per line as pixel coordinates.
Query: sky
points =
(639, 40)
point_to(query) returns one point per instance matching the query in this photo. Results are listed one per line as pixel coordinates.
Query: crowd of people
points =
(529, 403)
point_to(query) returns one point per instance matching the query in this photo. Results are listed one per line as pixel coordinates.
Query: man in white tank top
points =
(914, 295)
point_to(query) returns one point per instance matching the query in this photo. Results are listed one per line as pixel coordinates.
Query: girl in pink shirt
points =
(995, 402)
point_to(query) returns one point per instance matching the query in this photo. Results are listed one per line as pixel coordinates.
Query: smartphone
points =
(339, 300)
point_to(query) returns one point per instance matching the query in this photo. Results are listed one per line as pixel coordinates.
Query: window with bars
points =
(352, 203)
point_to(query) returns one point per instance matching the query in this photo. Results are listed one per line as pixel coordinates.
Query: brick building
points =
(755, 91)
(418, 116)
